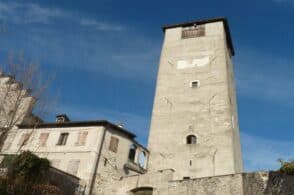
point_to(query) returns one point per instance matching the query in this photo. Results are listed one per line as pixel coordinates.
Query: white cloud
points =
(85, 51)
(32, 13)
(100, 25)
(265, 77)
(29, 13)
(38, 14)
(262, 154)
(287, 2)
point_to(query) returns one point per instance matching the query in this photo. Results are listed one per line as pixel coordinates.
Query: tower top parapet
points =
(200, 22)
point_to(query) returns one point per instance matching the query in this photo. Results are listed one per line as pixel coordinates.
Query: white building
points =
(95, 151)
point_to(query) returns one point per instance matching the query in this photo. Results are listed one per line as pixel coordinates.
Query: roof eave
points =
(76, 124)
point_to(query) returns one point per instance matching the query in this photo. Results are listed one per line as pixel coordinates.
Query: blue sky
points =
(104, 55)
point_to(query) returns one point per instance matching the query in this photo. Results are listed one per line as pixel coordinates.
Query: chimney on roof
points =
(61, 118)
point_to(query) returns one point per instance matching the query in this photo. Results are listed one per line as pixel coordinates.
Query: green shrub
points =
(7, 160)
(27, 175)
(287, 167)
(29, 167)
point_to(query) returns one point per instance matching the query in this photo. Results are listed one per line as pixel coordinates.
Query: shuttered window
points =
(24, 139)
(113, 144)
(62, 139)
(43, 139)
(195, 31)
(82, 138)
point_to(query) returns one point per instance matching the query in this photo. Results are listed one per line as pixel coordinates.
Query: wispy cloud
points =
(120, 53)
(289, 2)
(32, 13)
(262, 154)
(265, 77)
(100, 25)
(29, 13)
(85, 51)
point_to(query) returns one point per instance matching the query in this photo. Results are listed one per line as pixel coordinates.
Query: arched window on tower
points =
(191, 139)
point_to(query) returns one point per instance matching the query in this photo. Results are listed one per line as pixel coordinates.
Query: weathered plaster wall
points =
(206, 111)
(15, 102)
(111, 166)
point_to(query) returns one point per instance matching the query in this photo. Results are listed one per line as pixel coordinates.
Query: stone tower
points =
(194, 127)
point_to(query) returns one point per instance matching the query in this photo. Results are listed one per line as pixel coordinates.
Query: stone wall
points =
(157, 180)
(256, 183)
(229, 184)
(273, 183)
(68, 184)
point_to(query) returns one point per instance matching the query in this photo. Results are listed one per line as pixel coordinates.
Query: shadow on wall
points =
(279, 183)
(275, 183)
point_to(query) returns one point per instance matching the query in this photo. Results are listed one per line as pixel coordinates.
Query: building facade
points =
(16, 103)
(97, 152)
(194, 128)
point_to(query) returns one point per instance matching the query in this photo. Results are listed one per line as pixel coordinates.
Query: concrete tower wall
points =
(208, 111)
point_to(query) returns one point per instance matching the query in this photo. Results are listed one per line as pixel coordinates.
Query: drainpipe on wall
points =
(95, 169)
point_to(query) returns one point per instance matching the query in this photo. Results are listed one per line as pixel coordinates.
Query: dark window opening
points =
(132, 152)
(186, 177)
(195, 84)
(191, 139)
(142, 191)
(62, 139)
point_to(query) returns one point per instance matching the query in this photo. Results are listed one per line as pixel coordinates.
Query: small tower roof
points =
(199, 22)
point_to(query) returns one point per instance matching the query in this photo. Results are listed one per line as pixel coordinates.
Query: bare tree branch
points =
(21, 88)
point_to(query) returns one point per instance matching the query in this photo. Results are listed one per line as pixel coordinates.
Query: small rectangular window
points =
(62, 139)
(113, 144)
(43, 139)
(195, 84)
(24, 139)
(82, 137)
(193, 31)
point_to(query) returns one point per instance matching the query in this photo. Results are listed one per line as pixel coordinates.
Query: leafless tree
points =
(22, 89)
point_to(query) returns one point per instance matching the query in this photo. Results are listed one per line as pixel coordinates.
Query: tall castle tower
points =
(194, 128)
